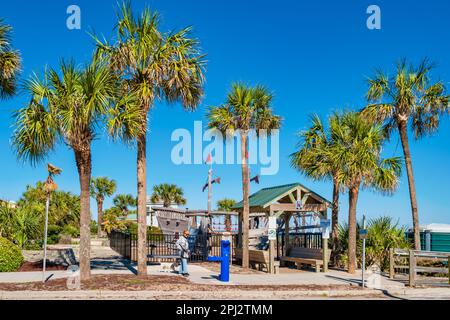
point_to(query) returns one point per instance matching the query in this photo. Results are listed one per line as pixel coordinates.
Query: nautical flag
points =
(255, 178)
(208, 159)
(217, 180)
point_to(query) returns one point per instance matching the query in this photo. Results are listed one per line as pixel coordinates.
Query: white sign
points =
(298, 205)
(272, 222)
(272, 232)
(325, 226)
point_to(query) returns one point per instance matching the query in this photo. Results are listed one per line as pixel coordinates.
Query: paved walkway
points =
(202, 275)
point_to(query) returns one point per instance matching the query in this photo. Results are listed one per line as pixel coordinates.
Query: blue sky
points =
(314, 56)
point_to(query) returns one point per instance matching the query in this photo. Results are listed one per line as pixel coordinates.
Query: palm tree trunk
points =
(353, 201)
(403, 130)
(245, 194)
(84, 166)
(335, 221)
(99, 217)
(142, 202)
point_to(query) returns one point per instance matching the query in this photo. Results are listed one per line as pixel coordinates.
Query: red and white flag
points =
(208, 159)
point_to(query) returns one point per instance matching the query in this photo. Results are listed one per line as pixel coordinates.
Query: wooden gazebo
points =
(283, 202)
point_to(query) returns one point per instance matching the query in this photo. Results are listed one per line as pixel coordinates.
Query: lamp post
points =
(49, 187)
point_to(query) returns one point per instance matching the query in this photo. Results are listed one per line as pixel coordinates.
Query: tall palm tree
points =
(357, 150)
(311, 159)
(123, 202)
(168, 194)
(408, 98)
(101, 187)
(155, 65)
(9, 62)
(66, 106)
(246, 108)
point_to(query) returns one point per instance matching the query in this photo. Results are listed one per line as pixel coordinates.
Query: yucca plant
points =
(383, 234)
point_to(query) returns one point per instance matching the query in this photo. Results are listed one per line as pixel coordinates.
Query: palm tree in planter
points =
(9, 62)
(246, 108)
(311, 159)
(357, 151)
(101, 187)
(123, 202)
(155, 66)
(408, 98)
(168, 194)
(66, 106)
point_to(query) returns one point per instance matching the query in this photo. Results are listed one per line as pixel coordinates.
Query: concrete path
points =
(202, 275)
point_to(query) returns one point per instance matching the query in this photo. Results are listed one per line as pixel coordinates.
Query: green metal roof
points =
(268, 195)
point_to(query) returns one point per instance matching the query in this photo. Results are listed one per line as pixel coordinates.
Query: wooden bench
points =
(258, 259)
(305, 256)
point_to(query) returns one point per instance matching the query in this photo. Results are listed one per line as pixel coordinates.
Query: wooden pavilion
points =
(284, 202)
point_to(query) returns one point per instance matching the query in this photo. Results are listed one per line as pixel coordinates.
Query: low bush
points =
(71, 231)
(10, 256)
(53, 234)
(94, 227)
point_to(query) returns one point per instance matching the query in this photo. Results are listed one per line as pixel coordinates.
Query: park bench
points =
(259, 259)
(305, 256)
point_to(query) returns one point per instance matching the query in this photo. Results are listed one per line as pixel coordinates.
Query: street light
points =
(49, 187)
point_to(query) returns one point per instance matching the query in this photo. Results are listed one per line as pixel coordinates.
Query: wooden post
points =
(287, 219)
(391, 263)
(325, 247)
(271, 252)
(412, 269)
(325, 254)
(448, 264)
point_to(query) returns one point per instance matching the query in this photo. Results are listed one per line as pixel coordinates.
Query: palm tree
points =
(357, 150)
(9, 62)
(123, 202)
(155, 65)
(101, 187)
(226, 205)
(168, 194)
(408, 98)
(246, 108)
(66, 106)
(311, 159)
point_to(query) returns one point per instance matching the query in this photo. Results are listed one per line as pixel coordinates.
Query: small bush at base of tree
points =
(10, 256)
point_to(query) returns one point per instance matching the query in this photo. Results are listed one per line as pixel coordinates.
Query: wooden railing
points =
(407, 260)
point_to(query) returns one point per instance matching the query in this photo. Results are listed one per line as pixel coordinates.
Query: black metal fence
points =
(121, 242)
(162, 247)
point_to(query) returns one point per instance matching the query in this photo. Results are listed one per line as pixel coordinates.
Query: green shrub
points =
(53, 234)
(155, 233)
(94, 227)
(71, 231)
(10, 256)
(383, 233)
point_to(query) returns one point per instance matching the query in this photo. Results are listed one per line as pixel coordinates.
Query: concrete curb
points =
(145, 295)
